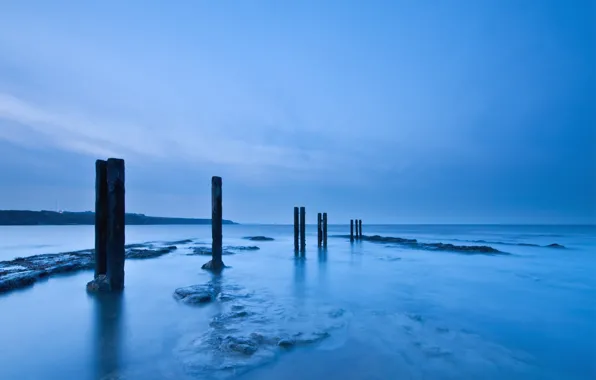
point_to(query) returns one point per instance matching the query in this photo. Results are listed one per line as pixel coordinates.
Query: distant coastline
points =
(41, 218)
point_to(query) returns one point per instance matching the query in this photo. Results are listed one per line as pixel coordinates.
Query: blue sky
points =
(393, 112)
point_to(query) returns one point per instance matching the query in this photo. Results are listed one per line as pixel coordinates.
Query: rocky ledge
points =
(204, 250)
(415, 244)
(250, 329)
(25, 271)
(259, 238)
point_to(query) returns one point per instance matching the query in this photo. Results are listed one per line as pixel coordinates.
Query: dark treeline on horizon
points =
(30, 218)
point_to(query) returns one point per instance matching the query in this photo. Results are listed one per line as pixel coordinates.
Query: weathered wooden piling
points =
(319, 229)
(216, 263)
(115, 223)
(302, 228)
(101, 224)
(351, 229)
(360, 228)
(296, 228)
(325, 229)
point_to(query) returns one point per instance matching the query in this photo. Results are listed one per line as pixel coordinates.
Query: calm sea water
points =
(407, 313)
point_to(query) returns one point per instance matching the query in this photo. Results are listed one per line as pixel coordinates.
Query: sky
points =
(421, 111)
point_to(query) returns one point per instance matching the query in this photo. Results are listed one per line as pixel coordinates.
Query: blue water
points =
(406, 313)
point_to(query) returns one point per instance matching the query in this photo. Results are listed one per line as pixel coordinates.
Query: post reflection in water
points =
(322, 255)
(299, 275)
(108, 335)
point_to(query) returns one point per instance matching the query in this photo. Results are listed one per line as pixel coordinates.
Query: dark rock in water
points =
(415, 244)
(149, 253)
(201, 251)
(25, 271)
(99, 284)
(242, 345)
(459, 248)
(196, 294)
(18, 280)
(259, 238)
(286, 343)
(555, 245)
(180, 242)
(228, 250)
(241, 248)
(388, 239)
(252, 330)
(213, 267)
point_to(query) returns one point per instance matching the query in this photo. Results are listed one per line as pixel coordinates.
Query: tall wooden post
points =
(351, 229)
(216, 223)
(325, 229)
(319, 229)
(302, 228)
(296, 228)
(360, 228)
(101, 223)
(115, 223)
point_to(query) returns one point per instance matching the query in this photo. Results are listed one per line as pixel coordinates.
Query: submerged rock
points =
(232, 248)
(18, 280)
(227, 250)
(25, 271)
(147, 253)
(196, 294)
(251, 330)
(259, 238)
(99, 284)
(180, 242)
(555, 245)
(213, 266)
(388, 239)
(459, 248)
(415, 244)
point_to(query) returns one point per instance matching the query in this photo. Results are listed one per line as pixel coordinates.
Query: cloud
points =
(94, 137)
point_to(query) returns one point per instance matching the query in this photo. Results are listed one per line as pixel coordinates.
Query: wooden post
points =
(302, 228)
(325, 229)
(360, 228)
(296, 228)
(351, 229)
(319, 229)
(216, 223)
(115, 223)
(101, 223)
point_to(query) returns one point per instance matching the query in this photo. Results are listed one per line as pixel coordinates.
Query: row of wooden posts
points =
(300, 229)
(357, 223)
(110, 223)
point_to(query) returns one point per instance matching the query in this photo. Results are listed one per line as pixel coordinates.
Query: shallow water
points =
(389, 311)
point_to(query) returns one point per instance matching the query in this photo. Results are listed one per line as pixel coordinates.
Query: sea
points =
(355, 310)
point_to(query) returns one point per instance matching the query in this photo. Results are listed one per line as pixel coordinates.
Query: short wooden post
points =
(325, 229)
(296, 228)
(360, 228)
(115, 223)
(302, 228)
(319, 229)
(351, 229)
(101, 223)
(216, 223)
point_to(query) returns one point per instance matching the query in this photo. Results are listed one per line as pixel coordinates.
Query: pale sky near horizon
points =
(388, 111)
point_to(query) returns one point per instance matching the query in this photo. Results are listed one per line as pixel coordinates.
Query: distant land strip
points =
(40, 218)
